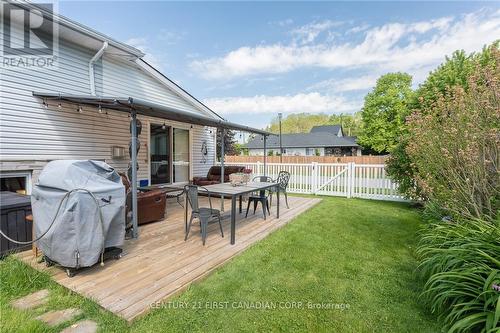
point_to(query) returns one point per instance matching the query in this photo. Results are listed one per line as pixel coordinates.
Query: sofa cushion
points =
(213, 177)
(214, 174)
(214, 171)
(206, 182)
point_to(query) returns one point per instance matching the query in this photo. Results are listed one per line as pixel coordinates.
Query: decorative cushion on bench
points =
(213, 175)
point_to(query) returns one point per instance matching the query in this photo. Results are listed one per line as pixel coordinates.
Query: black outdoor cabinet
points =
(13, 210)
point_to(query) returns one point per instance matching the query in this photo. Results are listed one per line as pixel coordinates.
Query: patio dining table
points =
(234, 192)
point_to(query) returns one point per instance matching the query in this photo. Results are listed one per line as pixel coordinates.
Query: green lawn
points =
(353, 257)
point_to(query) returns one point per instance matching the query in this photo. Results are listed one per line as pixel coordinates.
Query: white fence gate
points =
(349, 180)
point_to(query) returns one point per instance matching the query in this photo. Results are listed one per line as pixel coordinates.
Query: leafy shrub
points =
(400, 168)
(455, 72)
(461, 264)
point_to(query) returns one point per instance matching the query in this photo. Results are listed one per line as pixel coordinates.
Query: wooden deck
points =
(160, 263)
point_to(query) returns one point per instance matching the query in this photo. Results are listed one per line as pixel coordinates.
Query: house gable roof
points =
(334, 129)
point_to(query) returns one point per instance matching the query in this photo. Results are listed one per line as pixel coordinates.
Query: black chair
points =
(204, 214)
(283, 180)
(260, 197)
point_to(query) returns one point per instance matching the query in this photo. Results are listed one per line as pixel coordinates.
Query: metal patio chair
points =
(283, 180)
(177, 195)
(260, 197)
(204, 214)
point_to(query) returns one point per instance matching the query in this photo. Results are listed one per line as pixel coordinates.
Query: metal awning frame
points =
(143, 107)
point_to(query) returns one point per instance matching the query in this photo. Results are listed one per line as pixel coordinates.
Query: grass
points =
(353, 255)
(18, 279)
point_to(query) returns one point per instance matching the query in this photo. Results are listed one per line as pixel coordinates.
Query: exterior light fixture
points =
(100, 108)
(80, 109)
(163, 126)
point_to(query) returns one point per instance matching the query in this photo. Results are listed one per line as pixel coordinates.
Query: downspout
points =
(91, 67)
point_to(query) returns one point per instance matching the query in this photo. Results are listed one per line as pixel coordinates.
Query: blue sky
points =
(249, 61)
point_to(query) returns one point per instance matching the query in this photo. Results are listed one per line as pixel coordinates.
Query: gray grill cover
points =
(76, 238)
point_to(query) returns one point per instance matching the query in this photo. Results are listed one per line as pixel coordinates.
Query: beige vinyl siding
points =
(119, 78)
(31, 135)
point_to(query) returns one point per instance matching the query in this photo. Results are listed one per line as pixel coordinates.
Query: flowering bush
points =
(247, 171)
(454, 146)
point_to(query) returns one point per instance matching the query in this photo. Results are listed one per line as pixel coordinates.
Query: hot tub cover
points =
(77, 237)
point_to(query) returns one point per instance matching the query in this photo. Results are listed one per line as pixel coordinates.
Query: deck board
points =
(160, 263)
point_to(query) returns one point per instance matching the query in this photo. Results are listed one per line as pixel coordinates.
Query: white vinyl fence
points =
(349, 180)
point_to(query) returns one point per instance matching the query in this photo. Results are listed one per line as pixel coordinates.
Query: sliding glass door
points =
(181, 155)
(160, 154)
(169, 167)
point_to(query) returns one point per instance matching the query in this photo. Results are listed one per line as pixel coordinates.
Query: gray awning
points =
(127, 104)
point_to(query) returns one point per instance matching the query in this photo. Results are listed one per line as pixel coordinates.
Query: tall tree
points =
(298, 122)
(230, 144)
(351, 123)
(303, 122)
(453, 72)
(384, 112)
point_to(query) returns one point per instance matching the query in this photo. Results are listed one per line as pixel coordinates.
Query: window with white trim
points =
(16, 181)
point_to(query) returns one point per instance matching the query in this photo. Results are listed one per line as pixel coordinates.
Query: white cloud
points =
(364, 82)
(142, 44)
(282, 23)
(357, 29)
(390, 47)
(309, 32)
(312, 102)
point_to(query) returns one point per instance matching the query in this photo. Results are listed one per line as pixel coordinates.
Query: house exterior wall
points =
(32, 135)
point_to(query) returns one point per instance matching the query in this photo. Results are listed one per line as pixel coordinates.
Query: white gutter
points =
(91, 67)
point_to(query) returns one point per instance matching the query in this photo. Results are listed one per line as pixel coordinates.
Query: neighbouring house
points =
(81, 107)
(327, 140)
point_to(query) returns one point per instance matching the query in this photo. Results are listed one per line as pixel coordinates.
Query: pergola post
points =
(222, 148)
(222, 152)
(135, 227)
(265, 155)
